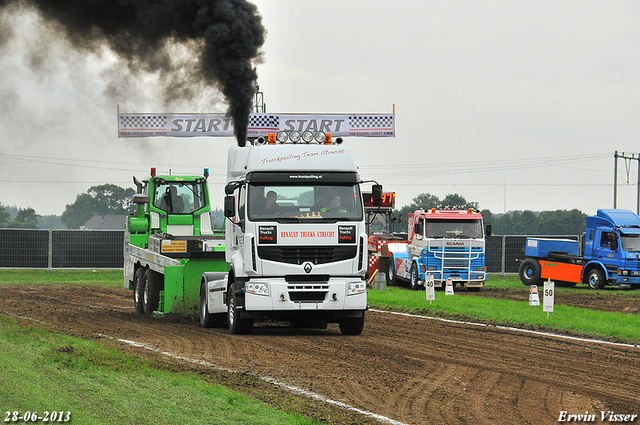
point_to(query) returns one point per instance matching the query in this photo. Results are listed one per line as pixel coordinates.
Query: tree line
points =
(558, 222)
(109, 199)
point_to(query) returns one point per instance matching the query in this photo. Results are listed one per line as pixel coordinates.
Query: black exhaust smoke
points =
(226, 35)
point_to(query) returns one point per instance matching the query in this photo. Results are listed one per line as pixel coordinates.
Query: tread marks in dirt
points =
(409, 369)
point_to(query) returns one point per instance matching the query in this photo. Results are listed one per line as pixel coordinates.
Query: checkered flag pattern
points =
(371, 121)
(143, 122)
(374, 261)
(264, 121)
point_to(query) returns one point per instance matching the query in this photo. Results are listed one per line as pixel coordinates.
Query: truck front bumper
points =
(477, 279)
(280, 295)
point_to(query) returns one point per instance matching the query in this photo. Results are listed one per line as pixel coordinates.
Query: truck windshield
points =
(182, 197)
(378, 222)
(454, 229)
(630, 243)
(304, 202)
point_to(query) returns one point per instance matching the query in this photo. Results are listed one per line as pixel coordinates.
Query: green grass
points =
(108, 277)
(606, 325)
(44, 371)
(513, 282)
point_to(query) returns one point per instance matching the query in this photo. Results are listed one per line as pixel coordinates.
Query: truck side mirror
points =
(376, 195)
(229, 206)
(231, 187)
(488, 230)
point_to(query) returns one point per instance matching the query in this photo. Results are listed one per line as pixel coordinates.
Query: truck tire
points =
(595, 279)
(391, 273)
(152, 288)
(352, 325)
(237, 324)
(208, 320)
(414, 277)
(530, 272)
(138, 290)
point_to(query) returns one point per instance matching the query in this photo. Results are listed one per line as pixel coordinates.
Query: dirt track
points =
(409, 369)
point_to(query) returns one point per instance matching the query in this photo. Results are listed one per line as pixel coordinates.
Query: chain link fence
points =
(504, 253)
(61, 249)
(104, 249)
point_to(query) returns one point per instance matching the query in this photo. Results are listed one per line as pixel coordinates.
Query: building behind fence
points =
(104, 249)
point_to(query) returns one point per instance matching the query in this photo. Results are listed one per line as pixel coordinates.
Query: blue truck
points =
(446, 243)
(610, 254)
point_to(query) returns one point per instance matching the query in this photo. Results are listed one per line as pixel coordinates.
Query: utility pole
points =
(627, 158)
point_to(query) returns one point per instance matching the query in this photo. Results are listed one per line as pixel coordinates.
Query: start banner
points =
(221, 125)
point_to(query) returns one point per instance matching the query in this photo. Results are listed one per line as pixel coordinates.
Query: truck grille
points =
(300, 254)
(461, 264)
(308, 296)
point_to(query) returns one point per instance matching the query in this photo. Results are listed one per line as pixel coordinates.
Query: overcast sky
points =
(514, 105)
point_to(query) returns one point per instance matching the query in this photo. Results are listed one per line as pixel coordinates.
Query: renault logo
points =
(307, 267)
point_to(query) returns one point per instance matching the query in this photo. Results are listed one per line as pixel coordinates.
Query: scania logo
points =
(307, 267)
(457, 243)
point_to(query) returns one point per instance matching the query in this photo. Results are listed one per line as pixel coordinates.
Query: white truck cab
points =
(296, 237)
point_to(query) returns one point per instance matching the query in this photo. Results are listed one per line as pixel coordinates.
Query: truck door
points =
(237, 230)
(606, 247)
(418, 238)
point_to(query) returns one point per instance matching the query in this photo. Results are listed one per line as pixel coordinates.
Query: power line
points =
(483, 166)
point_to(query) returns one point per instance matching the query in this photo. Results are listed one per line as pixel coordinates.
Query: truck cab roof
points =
(458, 214)
(289, 158)
(613, 218)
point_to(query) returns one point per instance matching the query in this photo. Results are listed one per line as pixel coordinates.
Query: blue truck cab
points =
(445, 244)
(610, 255)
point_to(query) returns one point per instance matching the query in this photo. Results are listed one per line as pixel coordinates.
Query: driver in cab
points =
(334, 206)
(270, 205)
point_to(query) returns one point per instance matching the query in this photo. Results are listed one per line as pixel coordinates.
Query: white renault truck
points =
(295, 237)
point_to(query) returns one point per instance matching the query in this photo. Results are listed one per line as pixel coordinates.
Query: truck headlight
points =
(257, 288)
(356, 288)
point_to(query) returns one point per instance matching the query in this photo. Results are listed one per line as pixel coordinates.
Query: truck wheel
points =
(530, 272)
(352, 325)
(391, 273)
(237, 325)
(595, 279)
(152, 288)
(208, 320)
(138, 290)
(414, 276)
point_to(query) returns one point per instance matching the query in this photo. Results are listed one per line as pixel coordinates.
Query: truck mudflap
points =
(215, 284)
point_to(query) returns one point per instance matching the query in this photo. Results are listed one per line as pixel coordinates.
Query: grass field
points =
(50, 372)
(582, 321)
(45, 371)
(607, 325)
(105, 277)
